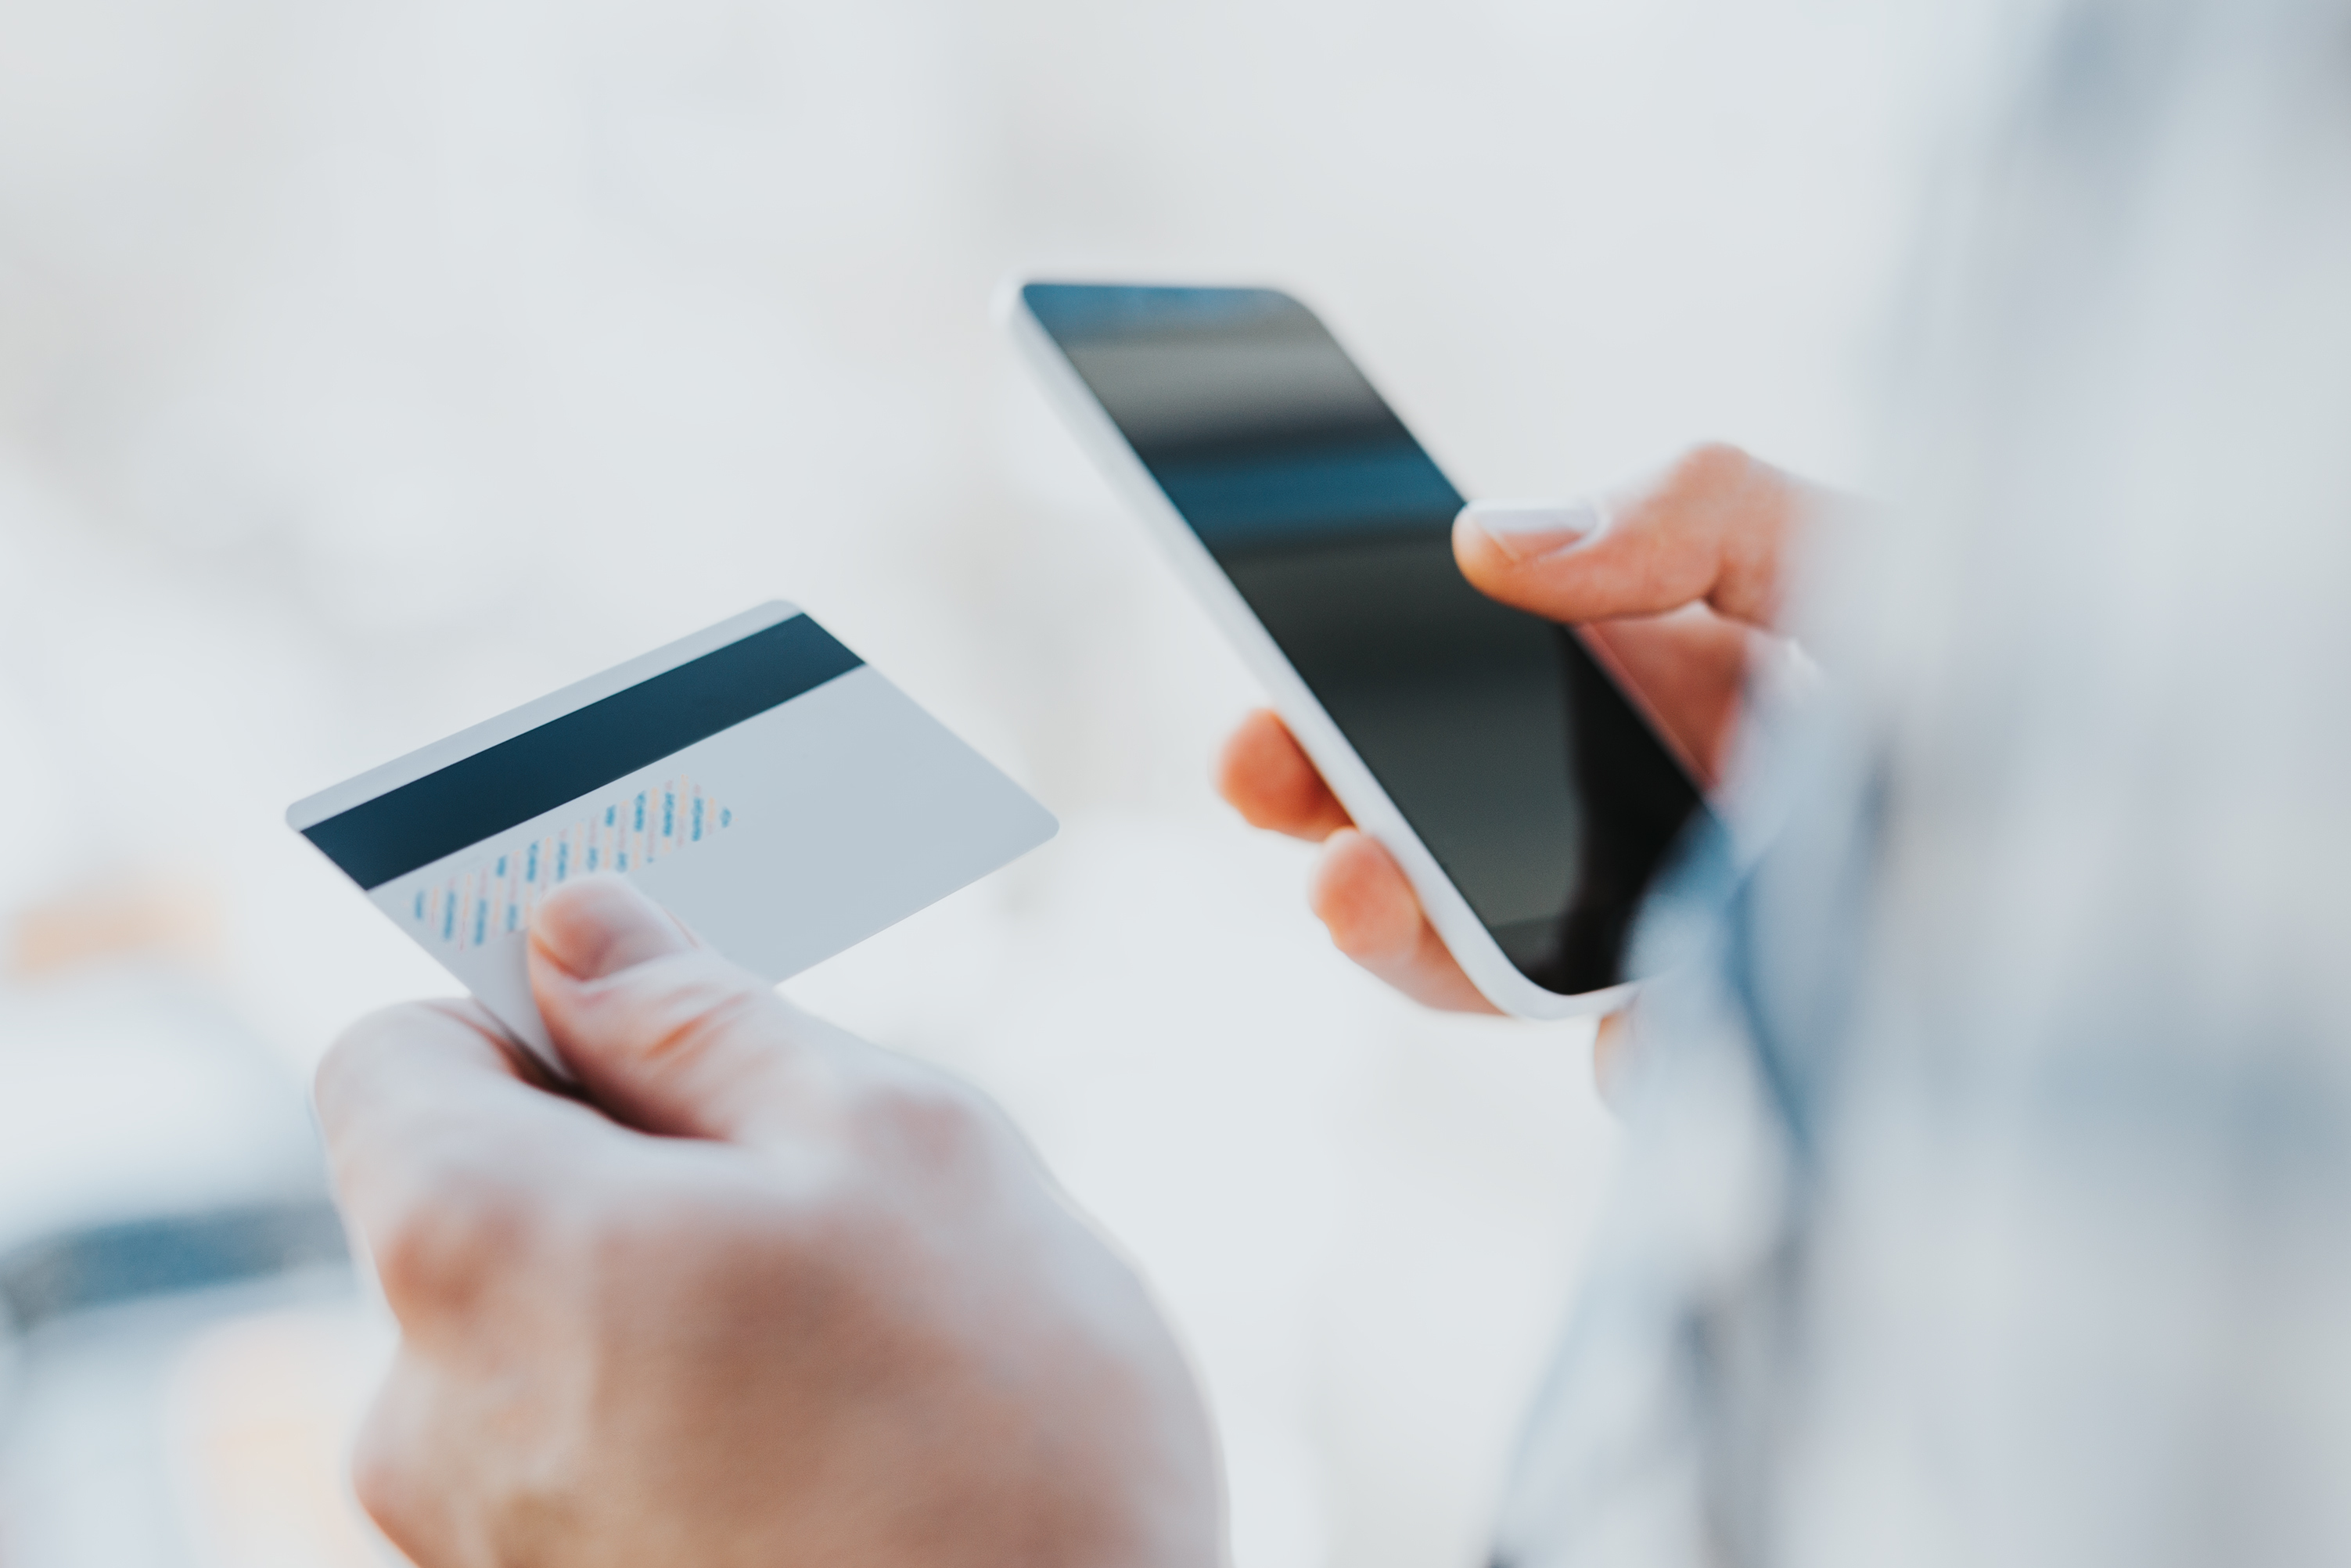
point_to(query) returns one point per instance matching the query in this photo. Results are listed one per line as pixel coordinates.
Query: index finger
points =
(425, 1100)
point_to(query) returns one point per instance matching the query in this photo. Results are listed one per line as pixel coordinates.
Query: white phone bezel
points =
(1464, 935)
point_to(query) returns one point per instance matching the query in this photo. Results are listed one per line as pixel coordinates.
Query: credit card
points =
(759, 780)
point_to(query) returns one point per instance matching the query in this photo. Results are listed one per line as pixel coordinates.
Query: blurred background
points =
(366, 370)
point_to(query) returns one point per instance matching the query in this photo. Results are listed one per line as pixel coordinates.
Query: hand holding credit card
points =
(772, 790)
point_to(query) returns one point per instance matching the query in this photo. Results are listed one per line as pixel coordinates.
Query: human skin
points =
(756, 1292)
(751, 1291)
(1673, 592)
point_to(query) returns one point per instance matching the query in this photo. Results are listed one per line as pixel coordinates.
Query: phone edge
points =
(1457, 924)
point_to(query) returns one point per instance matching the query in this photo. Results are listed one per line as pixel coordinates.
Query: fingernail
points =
(600, 925)
(1523, 529)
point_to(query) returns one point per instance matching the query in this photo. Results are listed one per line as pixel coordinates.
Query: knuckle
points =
(384, 1474)
(341, 1073)
(1712, 484)
(937, 1121)
(459, 1221)
(1711, 464)
(380, 1477)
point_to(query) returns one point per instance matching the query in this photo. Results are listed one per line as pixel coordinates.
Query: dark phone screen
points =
(1535, 783)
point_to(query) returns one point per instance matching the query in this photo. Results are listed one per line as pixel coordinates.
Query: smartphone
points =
(1527, 798)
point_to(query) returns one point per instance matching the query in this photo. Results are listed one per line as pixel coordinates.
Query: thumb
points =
(1713, 530)
(662, 1034)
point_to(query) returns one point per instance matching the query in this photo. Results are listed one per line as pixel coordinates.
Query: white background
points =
(366, 370)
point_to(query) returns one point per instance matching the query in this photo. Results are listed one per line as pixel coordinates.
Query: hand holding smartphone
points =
(1526, 798)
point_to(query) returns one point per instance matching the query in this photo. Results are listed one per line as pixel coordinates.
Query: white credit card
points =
(759, 778)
